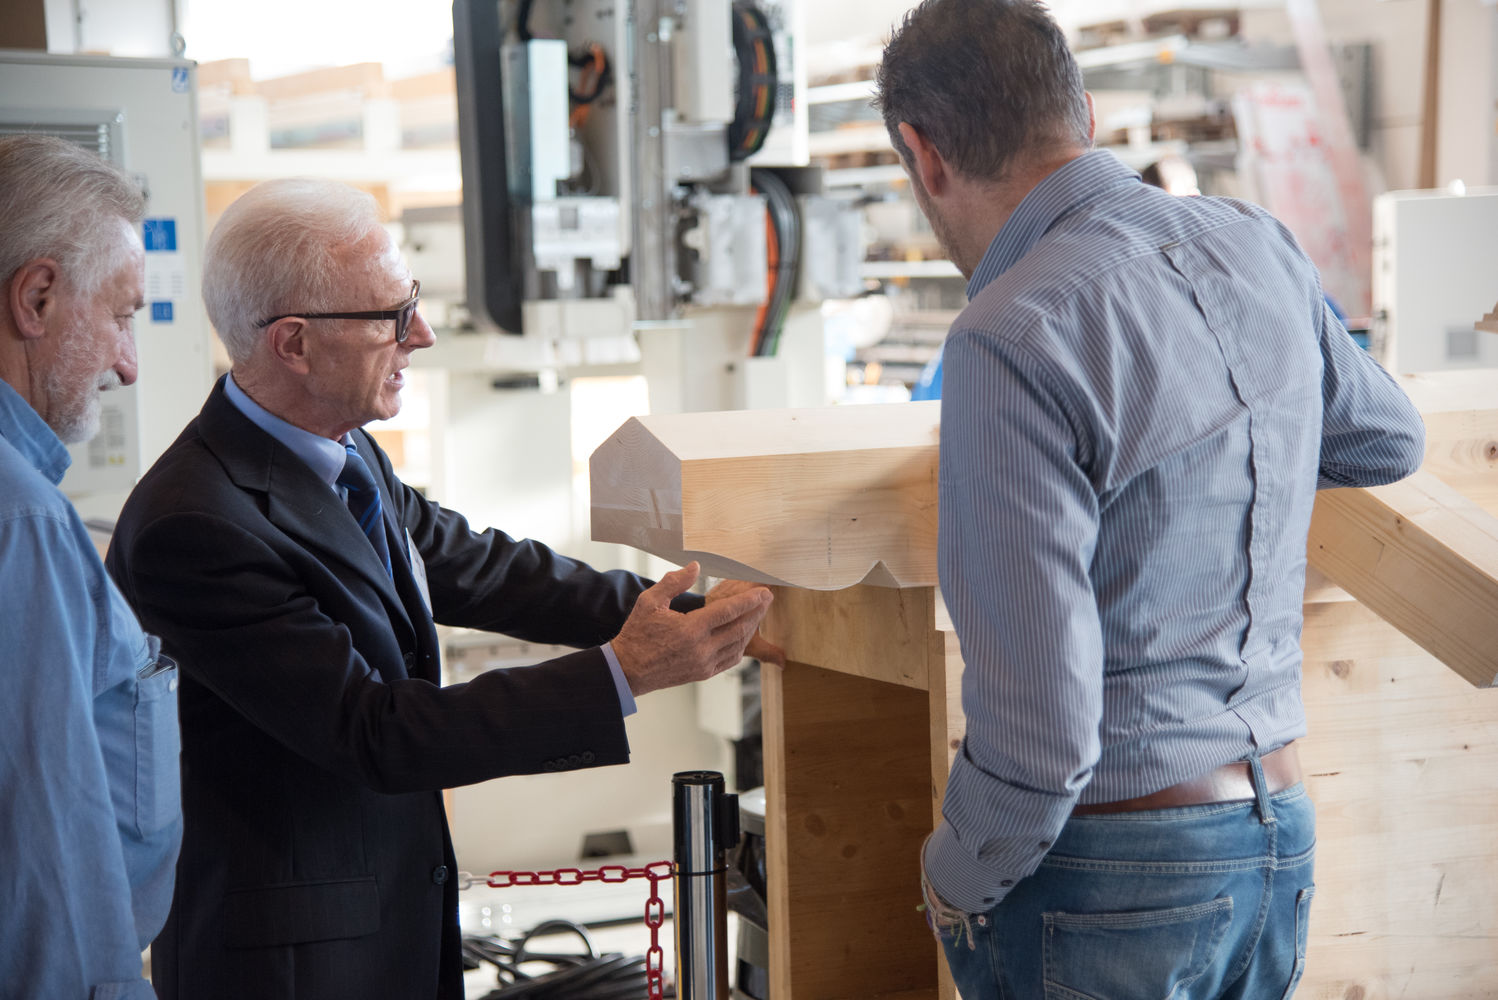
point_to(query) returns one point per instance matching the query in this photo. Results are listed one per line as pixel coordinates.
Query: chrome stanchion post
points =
(705, 824)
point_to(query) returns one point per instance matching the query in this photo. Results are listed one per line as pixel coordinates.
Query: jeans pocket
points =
(1132, 955)
(1302, 935)
(158, 745)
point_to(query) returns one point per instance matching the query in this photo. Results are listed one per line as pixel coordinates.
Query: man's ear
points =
(930, 169)
(287, 339)
(1091, 117)
(32, 296)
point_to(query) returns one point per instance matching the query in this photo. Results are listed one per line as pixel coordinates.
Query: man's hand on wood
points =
(660, 648)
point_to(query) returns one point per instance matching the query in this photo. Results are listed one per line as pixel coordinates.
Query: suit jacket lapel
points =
(297, 501)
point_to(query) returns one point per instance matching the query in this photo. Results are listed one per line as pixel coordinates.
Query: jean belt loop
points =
(1261, 789)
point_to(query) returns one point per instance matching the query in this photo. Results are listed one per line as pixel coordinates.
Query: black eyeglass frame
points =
(402, 314)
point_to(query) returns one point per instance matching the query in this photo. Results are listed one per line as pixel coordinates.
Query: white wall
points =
(112, 27)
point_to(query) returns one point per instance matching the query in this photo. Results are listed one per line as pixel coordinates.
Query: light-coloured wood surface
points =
(1424, 558)
(1489, 322)
(1399, 761)
(822, 499)
(1461, 449)
(858, 743)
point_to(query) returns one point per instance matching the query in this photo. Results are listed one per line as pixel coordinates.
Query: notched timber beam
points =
(822, 499)
(1424, 558)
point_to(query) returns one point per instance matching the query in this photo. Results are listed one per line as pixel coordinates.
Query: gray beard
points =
(74, 409)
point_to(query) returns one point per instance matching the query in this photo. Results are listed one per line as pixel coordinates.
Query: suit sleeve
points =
(262, 635)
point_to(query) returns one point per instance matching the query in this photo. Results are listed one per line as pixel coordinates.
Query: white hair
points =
(280, 249)
(61, 201)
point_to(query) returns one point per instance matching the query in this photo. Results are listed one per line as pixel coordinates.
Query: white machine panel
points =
(1435, 274)
(142, 115)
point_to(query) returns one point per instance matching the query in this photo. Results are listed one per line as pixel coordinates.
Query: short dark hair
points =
(987, 82)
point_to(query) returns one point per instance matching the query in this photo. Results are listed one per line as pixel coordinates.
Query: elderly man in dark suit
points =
(297, 580)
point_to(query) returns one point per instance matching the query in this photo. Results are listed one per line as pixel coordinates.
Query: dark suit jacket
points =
(316, 861)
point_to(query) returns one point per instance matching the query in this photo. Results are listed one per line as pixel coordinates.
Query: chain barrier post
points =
(704, 825)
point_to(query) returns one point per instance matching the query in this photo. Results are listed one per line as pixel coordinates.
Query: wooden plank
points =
(1489, 322)
(1397, 758)
(366, 78)
(229, 75)
(439, 83)
(1430, 97)
(1444, 392)
(1423, 557)
(1461, 449)
(823, 499)
(847, 792)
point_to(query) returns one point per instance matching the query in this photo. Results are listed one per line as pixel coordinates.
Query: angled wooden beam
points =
(822, 499)
(1424, 558)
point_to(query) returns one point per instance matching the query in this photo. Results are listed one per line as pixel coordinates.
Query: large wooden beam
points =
(1422, 556)
(823, 499)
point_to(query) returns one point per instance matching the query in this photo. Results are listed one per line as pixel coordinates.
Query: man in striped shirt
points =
(1140, 402)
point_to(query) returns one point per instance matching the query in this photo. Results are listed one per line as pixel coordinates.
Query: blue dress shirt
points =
(90, 815)
(325, 457)
(1139, 403)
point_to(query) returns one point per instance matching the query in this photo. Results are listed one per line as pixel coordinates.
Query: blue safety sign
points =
(179, 79)
(161, 312)
(159, 234)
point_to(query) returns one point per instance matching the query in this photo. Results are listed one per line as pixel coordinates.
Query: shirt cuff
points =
(626, 696)
(961, 880)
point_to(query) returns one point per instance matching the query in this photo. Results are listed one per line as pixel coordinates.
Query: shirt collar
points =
(29, 434)
(1063, 190)
(323, 456)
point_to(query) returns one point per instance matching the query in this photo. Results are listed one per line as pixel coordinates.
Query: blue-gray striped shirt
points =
(1140, 401)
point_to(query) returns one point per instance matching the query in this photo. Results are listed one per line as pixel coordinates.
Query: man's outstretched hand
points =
(660, 648)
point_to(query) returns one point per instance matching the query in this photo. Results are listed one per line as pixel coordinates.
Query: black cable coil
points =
(589, 976)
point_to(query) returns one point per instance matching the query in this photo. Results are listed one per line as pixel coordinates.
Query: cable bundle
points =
(759, 81)
(783, 236)
(575, 977)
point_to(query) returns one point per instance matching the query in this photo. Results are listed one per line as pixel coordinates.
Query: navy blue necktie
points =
(364, 503)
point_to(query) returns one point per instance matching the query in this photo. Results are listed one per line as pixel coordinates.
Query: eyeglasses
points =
(401, 314)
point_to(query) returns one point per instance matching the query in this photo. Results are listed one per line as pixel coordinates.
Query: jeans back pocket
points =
(1131, 955)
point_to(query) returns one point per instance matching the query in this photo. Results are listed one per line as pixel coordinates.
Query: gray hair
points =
(62, 201)
(279, 249)
(989, 83)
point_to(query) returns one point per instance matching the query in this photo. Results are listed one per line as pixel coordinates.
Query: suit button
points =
(588, 757)
(439, 874)
(575, 760)
(410, 659)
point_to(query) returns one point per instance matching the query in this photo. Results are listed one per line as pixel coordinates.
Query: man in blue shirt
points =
(1139, 403)
(89, 816)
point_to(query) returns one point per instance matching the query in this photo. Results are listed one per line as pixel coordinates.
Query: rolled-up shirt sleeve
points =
(1019, 525)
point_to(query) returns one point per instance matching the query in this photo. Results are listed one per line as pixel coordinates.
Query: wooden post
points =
(857, 748)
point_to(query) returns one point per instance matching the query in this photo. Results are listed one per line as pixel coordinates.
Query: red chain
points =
(655, 907)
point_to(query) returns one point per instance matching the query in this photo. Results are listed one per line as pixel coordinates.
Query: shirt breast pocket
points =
(158, 745)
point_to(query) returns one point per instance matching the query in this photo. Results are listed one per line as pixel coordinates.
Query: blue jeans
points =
(1192, 903)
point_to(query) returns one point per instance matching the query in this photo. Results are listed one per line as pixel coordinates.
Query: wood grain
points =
(1398, 761)
(820, 499)
(1424, 558)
